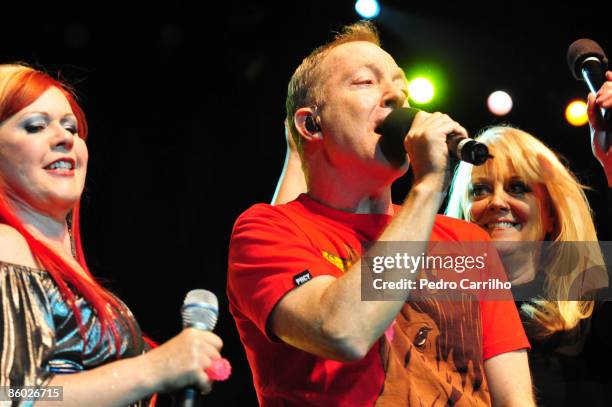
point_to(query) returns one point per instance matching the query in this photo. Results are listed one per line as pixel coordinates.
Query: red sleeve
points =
(268, 253)
(502, 330)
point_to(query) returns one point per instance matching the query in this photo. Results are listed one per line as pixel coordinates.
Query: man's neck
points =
(351, 194)
(365, 205)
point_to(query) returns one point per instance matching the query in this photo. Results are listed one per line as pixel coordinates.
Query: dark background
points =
(186, 122)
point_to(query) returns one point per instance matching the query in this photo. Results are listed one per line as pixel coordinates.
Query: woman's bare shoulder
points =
(14, 247)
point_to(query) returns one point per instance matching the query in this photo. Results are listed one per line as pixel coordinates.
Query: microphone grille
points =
(393, 131)
(580, 50)
(200, 310)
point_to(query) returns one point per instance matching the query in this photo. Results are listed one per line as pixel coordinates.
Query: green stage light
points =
(421, 90)
(426, 85)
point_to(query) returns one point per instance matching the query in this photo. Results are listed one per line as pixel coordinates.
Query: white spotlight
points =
(367, 8)
(499, 103)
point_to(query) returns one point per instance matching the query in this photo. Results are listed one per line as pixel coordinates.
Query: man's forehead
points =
(359, 53)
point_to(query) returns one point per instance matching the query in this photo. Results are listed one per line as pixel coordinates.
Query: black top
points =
(570, 368)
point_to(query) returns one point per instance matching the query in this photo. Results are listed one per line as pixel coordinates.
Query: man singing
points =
(294, 280)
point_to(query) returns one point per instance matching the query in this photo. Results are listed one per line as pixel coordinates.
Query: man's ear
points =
(307, 124)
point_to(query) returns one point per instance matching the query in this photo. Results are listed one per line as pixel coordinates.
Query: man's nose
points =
(393, 97)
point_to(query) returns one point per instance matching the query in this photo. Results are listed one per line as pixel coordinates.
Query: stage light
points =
(499, 103)
(576, 113)
(421, 90)
(367, 9)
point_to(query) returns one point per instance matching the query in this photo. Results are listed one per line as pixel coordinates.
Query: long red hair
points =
(20, 86)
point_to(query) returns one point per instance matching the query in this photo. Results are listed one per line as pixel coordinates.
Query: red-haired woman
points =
(55, 318)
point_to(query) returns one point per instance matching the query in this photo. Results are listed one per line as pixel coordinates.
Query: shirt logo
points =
(339, 262)
(302, 278)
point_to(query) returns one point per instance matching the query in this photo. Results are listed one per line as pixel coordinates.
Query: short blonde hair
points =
(304, 86)
(535, 163)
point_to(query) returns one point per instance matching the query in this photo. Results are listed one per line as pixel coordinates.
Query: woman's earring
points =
(72, 243)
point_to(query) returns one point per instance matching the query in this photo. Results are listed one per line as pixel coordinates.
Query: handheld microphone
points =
(200, 310)
(588, 62)
(396, 125)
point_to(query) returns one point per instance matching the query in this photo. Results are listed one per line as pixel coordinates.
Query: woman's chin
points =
(506, 247)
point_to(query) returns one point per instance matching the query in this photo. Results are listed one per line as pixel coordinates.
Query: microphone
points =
(588, 62)
(200, 310)
(396, 125)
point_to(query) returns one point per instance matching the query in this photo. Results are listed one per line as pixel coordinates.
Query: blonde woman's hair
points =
(535, 164)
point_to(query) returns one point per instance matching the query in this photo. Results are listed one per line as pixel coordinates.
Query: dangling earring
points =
(72, 243)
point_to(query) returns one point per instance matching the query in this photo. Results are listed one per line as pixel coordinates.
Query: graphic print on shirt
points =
(433, 357)
(432, 352)
(342, 263)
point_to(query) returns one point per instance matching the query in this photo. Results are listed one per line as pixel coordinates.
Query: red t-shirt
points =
(432, 355)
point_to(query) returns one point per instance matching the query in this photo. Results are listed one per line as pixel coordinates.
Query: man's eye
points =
(364, 82)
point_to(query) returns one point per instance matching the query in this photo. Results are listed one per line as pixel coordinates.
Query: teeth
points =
(504, 225)
(61, 164)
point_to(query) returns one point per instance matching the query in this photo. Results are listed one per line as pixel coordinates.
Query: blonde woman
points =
(524, 196)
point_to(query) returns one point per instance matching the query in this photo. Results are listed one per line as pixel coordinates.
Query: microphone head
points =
(579, 51)
(393, 131)
(200, 310)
